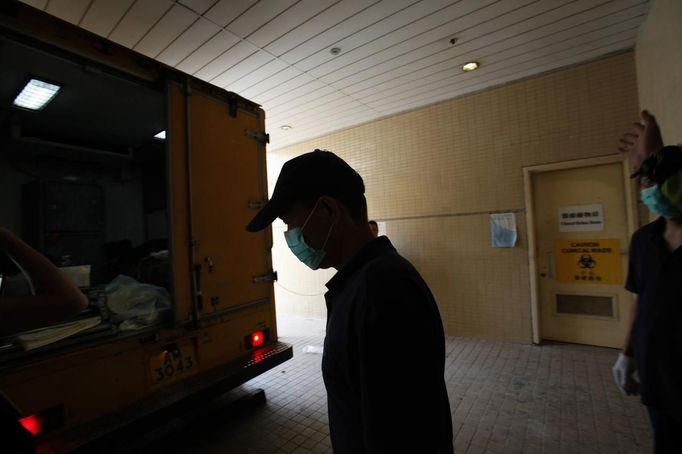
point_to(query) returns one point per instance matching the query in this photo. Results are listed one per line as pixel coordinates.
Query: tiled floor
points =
(505, 398)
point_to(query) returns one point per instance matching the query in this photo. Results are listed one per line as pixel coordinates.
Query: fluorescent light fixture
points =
(471, 66)
(36, 94)
(285, 127)
(160, 135)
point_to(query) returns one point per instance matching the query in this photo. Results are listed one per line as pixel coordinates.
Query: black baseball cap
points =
(658, 167)
(306, 177)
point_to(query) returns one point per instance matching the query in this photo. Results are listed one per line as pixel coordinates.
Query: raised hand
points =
(644, 140)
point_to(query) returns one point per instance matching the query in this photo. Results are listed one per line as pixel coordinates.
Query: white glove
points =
(623, 374)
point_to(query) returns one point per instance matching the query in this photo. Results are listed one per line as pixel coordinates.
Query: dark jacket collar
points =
(364, 255)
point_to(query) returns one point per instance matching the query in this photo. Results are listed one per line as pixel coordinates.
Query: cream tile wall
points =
(659, 67)
(435, 174)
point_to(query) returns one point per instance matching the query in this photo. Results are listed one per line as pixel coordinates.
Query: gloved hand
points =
(623, 374)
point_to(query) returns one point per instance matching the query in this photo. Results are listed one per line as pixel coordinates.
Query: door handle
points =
(211, 264)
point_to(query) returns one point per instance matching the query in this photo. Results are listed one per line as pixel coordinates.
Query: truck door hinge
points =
(265, 278)
(257, 136)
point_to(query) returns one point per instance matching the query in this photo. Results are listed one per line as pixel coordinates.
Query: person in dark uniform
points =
(653, 347)
(384, 349)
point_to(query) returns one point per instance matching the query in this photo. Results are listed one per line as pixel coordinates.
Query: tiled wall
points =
(435, 174)
(659, 67)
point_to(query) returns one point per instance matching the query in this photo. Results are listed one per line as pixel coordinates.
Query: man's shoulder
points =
(389, 263)
(649, 230)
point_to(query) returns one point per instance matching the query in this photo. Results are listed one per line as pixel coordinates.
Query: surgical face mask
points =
(305, 253)
(656, 202)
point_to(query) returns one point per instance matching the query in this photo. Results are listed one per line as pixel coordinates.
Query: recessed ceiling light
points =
(36, 94)
(471, 66)
(335, 50)
(160, 135)
(285, 127)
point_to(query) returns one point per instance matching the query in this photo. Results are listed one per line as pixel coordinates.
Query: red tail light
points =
(257, 338)
(33, 424)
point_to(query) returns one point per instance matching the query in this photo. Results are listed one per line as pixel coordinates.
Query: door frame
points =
(528, 173)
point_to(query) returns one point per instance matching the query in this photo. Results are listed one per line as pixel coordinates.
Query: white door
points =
(581, 232)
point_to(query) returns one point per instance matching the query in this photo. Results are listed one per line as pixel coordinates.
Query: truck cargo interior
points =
(84, 181)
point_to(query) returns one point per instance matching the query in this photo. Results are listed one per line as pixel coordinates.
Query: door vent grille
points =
(596, 306)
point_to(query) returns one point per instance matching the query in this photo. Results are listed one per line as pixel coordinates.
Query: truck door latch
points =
(264, 278)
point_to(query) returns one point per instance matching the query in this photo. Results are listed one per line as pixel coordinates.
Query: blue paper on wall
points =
(503, 229)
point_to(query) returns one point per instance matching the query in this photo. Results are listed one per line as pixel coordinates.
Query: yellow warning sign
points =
(588, 261)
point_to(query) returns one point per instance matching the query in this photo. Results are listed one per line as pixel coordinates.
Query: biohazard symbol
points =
(586, 261)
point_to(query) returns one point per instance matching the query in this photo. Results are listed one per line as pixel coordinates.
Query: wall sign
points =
(581, 218)
(588, 261)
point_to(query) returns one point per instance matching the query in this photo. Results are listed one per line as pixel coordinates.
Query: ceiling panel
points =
(565, 29)
(316, 25)
(439, 27)
(249, 65)
(225, 11)
(298, 13)
(69, 10)
(352, 24)
(40, 4)
(191, 39)
(433, 40)
(207, 52)
(395, 55)
(374, 32)
(174, 23)
(257, 16)
(226, 60)
(507, 67)
(103, 15)
(138, 20)
(198, 6)
(258, 90)
(251, 79)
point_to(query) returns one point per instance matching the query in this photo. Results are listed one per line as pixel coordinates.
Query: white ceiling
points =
(395, 55)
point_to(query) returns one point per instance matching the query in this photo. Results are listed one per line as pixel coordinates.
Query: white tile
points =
(198, 6)
(69, 10)
(255, 77)
(103, 15)
(39, 4)
(190, 41)
(316, 26)
(225, 11)
(139, 20)
(226, 60)
(250, 64)
(164, 32)
(207, 52)
(287, 20)
(257, 16)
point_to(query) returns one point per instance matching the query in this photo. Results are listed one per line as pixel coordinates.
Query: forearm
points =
(56, 298)
(45, 277)
(627, 346)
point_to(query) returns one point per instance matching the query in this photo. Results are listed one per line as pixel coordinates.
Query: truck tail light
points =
(33, 424)
(257, 338)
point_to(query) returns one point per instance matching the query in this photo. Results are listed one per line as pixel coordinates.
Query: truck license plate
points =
(176, 360)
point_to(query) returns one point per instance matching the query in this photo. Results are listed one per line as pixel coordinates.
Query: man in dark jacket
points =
(384, 350)
(653, 347)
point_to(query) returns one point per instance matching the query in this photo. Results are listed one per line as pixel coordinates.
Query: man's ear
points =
(333, 207)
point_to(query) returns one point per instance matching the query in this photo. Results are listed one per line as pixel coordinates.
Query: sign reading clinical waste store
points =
(581, 218)
(588, 261)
